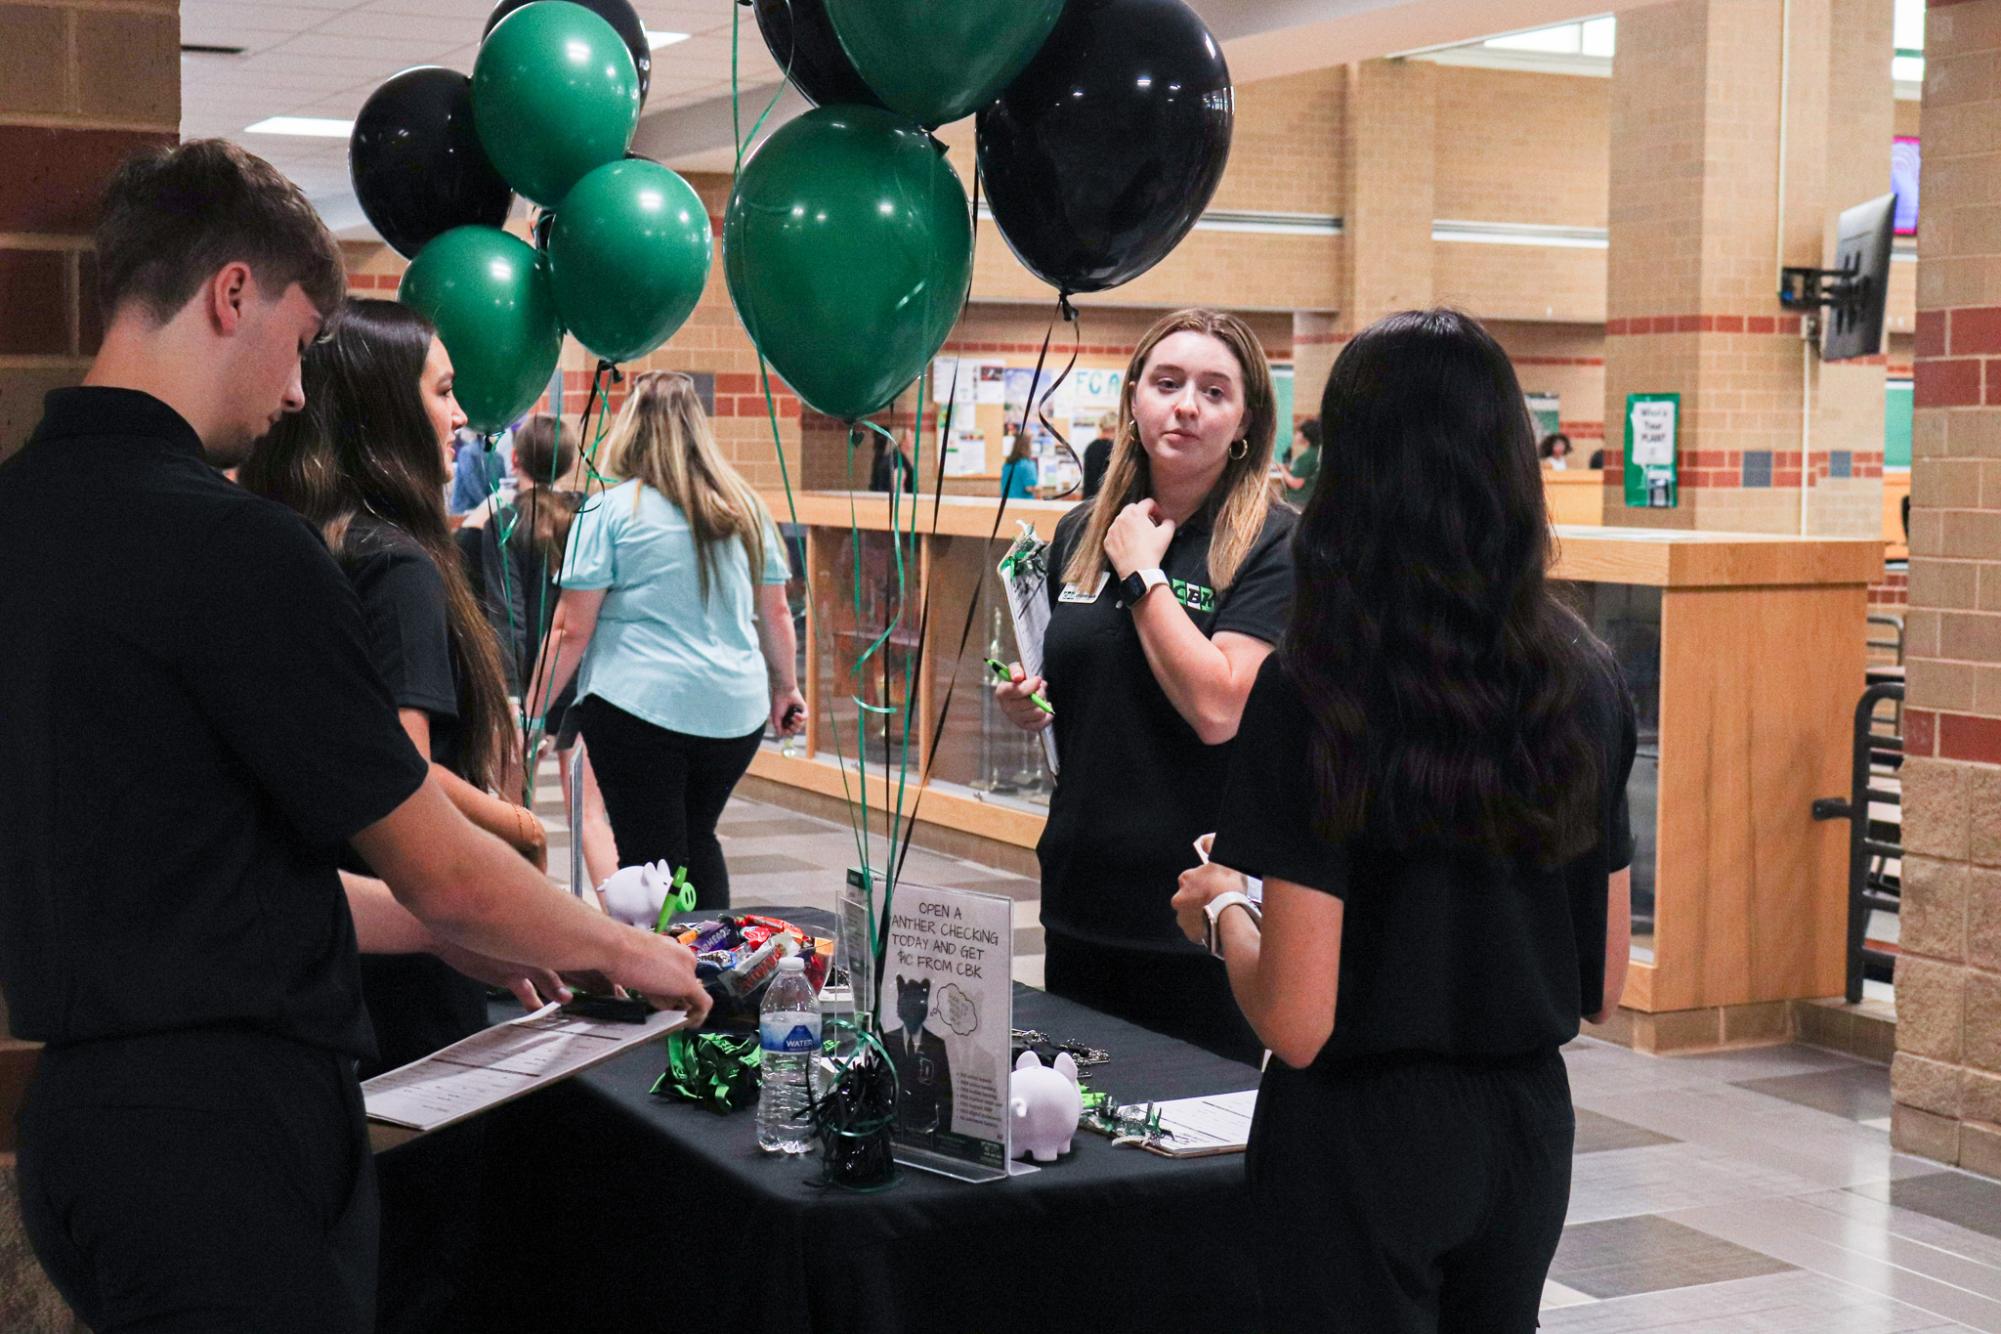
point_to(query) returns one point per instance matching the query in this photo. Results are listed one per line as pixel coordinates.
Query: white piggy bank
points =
(634, 894)
(1045, 1105)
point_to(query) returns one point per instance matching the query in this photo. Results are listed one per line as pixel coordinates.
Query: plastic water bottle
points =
(789, 1023)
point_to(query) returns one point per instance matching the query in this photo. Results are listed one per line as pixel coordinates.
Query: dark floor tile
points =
(1859, 1092)
(769, 863)
(1973, 1203)
(1620, 1257)
(1596, 1134)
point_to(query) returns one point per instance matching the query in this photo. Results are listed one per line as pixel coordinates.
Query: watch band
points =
(1140, 582)
(1213, 914)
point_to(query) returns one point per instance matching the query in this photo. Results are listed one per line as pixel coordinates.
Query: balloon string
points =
(1069, 315)
(856, 801)
(1064, 312)
(535, 713)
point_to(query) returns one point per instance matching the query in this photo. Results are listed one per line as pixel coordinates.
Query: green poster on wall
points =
(1653, 427)
(1547, 411)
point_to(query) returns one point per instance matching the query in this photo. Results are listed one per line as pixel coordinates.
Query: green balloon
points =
(848, 246)
(628, 256)
(554, 95)
(490, 299)
(939, 60)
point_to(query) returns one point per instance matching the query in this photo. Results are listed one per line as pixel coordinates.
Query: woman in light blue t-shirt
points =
(1020, 473)
(674, 606)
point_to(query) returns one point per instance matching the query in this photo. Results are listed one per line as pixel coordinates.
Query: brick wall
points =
(1947, 1075)
(82, 85)
(1521, 147)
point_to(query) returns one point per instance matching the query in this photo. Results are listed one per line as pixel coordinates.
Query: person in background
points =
(1098, 454)
(365, 463)
(1597, 459)
(1020, 473)
(1302, 472)
(513, 552)
(478, 473)
(1447, 891)
(1555, 451)
(890, 470)
(1166, 592)
(674, 606)
(193, 1153)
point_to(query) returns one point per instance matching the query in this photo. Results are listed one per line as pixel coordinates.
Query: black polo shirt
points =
(1137, 787)
(1443, 952)
(191, 730)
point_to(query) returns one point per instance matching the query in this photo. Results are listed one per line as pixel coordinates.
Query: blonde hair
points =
(662, 440)
(1241, 498)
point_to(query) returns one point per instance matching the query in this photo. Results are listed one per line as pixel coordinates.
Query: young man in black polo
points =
(191, 729)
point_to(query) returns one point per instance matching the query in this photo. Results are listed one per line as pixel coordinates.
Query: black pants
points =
(664, 792)
(1182, 994)
(211, 1181)
(1410, 1196)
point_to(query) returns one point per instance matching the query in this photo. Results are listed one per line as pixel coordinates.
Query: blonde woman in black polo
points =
(1167, 591)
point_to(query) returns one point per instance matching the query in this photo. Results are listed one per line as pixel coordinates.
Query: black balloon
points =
(416, 161)
(1099, 158)
(624, 20)
(801, 40)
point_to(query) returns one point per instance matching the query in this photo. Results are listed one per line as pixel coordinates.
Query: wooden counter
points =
(1761, 655)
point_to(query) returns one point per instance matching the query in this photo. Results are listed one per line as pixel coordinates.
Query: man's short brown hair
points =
(174, 216)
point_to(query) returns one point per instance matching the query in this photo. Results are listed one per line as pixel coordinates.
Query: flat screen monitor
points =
(1904, 160)
(1854, 326)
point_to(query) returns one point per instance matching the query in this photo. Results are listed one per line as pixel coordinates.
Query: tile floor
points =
(1746, 1192)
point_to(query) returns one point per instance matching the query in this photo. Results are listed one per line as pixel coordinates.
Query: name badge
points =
(1076, 593)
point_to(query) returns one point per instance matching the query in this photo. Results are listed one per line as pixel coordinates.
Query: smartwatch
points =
(1140, 582)
(1213, 912)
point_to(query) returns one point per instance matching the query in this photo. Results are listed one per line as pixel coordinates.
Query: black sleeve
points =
(1264, 826)
(403, 607)
(1097, 458)
(279, 662)
(1259, 600)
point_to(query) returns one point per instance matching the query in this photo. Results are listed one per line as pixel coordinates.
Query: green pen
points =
(1004, 676)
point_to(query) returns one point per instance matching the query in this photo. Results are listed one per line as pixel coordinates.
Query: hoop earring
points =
(1241, 448)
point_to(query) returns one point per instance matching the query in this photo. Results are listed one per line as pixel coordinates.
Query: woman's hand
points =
(788, 712)
(1138, 538)
(1014, 697)
(1200, 884)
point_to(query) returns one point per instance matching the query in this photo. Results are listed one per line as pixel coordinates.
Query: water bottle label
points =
(781, 1034)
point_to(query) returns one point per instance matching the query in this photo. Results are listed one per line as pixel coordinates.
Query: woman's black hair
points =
(364, 444)
(1444, 678)
(1548, 447)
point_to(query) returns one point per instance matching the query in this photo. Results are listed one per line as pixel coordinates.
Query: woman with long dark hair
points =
(366, 462)
(1430, 778)
(1166, 591)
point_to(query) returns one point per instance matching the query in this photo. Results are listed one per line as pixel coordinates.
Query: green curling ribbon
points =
(718, 1071)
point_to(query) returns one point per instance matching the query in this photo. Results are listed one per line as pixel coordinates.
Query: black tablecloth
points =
(607, 1208)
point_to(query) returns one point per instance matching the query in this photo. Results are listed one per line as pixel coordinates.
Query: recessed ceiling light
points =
(656, 40)
(312, 127)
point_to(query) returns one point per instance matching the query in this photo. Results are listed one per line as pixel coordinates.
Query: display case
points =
(1744, 654)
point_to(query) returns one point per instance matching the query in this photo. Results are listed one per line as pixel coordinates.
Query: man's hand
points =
(1198, 885)
(533, 987)
(663, 971)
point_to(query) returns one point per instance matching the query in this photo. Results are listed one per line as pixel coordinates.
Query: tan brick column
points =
(1947, 1075)
(1695, 247)
(1388, 154)
(82, 84)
